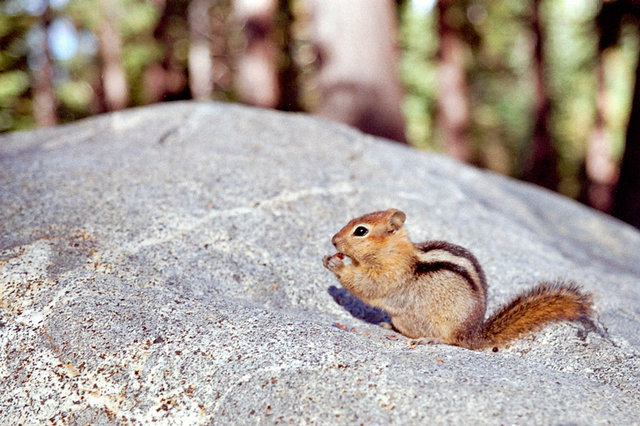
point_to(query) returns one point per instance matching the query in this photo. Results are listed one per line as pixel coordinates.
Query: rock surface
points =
(164, 264)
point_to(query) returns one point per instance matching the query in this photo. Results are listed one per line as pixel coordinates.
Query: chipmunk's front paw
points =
(333, 262)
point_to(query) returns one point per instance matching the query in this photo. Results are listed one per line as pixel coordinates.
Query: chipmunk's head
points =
(373, 236)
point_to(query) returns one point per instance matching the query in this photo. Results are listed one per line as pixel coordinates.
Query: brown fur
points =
(530, 311)
(437, 290)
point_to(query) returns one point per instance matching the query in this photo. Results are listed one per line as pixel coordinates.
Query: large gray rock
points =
(164, 264)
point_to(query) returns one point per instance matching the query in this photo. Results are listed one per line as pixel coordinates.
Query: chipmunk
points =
(437, 290)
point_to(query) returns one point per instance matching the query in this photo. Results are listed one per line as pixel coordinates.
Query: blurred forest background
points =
(543, 90)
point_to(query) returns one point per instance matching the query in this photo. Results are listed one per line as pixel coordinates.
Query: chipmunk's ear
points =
(396, 220)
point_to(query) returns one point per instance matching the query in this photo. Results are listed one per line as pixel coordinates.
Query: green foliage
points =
(501, 85)
(571, 54)
(86, 13)
(75, 95)
(501, 81)
(141, 17)
(620, 64)
(137, 56)
(418, 69)
(12, 84)
(15, 83)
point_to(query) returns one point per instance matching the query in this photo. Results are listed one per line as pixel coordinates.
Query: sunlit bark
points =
(114, 79)
(453, 94)
(601, 172)
(357, 57)
(257, 68)
(44, 99)
(200, 61)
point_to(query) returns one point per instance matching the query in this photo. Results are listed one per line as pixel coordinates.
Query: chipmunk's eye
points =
(360, 231)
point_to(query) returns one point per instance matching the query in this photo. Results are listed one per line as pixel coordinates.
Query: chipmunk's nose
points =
(334, 240)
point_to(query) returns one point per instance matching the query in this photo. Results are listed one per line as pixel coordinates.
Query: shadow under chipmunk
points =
(358, 308)
(377, 316)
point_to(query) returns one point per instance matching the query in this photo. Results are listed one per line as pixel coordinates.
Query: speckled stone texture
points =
(164, 264)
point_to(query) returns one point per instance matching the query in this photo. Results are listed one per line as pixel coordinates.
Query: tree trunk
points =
(288, 75)
(221, 28)
(357, 55)
(600, 171)
(627, 196)
(541, 167)
(453, 96)
(44, 99)
(257, 68)
(166, 80)
(114, 79)
(200, 61)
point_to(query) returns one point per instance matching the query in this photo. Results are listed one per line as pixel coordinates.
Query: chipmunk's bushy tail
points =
(530, 311)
